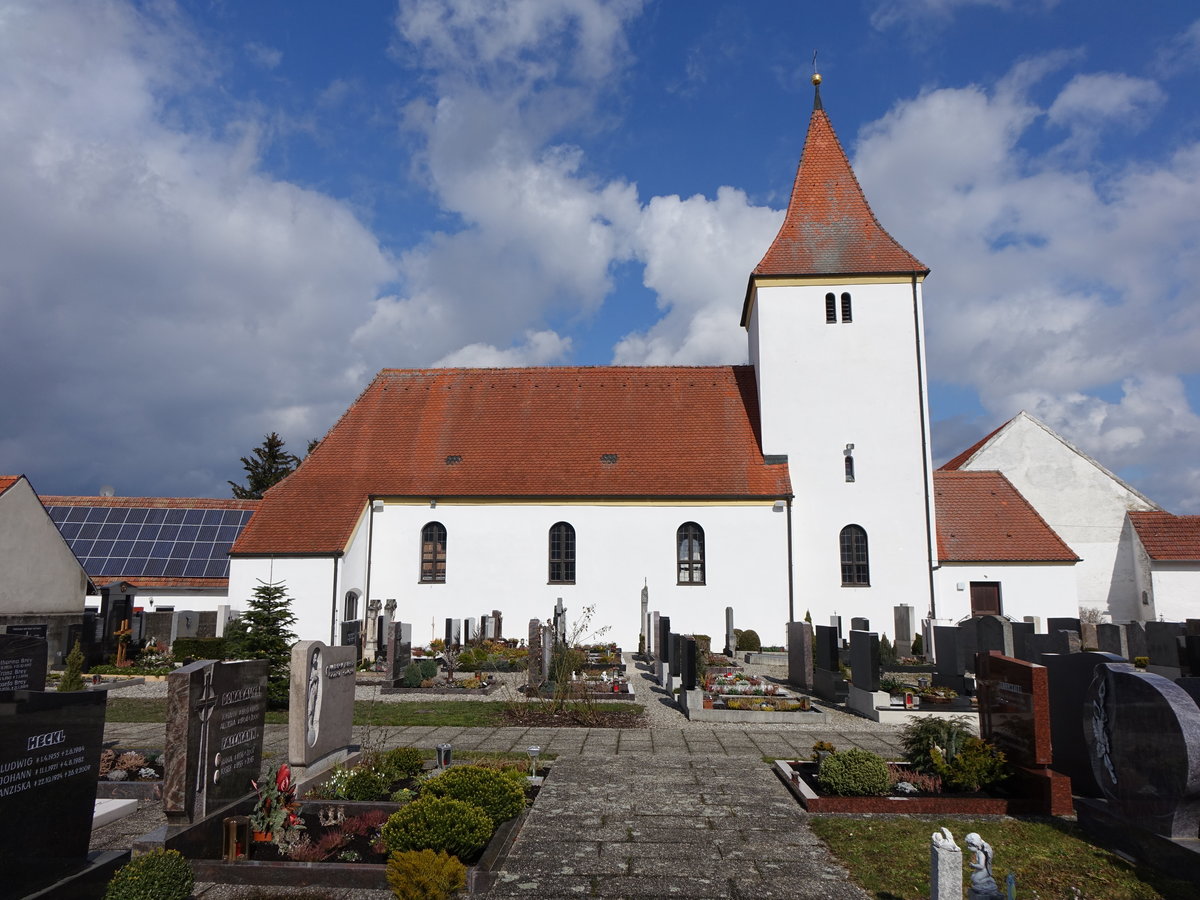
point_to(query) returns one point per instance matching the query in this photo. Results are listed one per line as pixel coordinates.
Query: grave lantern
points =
(444, 752)
(237, 837)
(533, 755)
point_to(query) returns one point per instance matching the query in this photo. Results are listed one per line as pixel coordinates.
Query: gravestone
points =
(456, 635)
(642, 624)
(730, 637)
(1021, 632)
(687, 664)
(664, 648)
(800, 655)
(399, 652)
(1138, 718)
(828, 682)
(214, 735)
(498, 623)
(1135, 640)
(858, 623)
(1036, 645)
(1162, 643)
(676, 654)
(835, 622)
(968, 643)
(1111, 639)
(864, 660)
(449, 635)
(1190, 655)
(1035, 621)
(1087, 635)
(49, 762)
(1068, 676)
(485, 628)
(1014, 708)
(654, 648)
(905, 618)
(949, 671)
(470, 635)
(547, 642)
(22, 663)
(352, 637)
(945, 867)
(560, 622)
(321, 707)
(533, 661)
(992, 633)
(1062, 623)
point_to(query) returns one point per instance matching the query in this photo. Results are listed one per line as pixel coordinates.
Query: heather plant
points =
(438, 823)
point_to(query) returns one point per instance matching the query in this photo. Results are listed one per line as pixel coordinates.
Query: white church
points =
(799, 484)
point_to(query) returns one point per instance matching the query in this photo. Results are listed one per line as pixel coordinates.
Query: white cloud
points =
(1051, 281)
(156, 288)
(263, 56)
(1090, 102)
(926, 13)
(540, 348)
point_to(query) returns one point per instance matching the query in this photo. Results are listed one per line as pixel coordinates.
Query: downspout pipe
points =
(333, 605)
(924, 449)
(791, 572)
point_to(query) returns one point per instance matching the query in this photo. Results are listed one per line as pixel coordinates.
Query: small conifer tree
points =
(72, 679)
(808, 616)
(887, 653)
(918, 646)
(264, 631)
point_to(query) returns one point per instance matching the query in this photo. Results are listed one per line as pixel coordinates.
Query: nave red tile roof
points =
(1166, 536)
(7, 481)
(829, 228)
(580, 432)
(981, 517)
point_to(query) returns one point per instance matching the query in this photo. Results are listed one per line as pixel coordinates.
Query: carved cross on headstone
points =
(204, 711)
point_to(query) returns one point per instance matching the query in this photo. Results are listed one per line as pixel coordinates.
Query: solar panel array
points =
(122, 542)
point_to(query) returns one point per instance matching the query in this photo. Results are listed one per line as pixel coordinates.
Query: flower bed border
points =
(922, 805)
(485, 690)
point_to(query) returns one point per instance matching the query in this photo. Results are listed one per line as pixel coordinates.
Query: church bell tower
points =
(834, 319)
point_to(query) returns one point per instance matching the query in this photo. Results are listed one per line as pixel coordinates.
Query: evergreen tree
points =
(269, 465)
(72, 679)
(887, 653)
(264, 631)
(808, 616)
(918, 646)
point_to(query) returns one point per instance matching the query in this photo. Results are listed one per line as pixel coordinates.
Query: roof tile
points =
(981, 517)
(1166, 536)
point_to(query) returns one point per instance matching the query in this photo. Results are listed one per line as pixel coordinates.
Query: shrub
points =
(72, 679)
(199, 648)
(364, 783)
(887, 653)
(429, 668)
(854, 773)
(399, 763)
(412, 675)
(919, 737)
(749, 640)
(494, 792)
(438, 823)
(425, 875)
(918, 646)
(975, 767)
(158, 875)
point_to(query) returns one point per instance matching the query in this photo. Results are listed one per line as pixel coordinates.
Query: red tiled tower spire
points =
(829, 228)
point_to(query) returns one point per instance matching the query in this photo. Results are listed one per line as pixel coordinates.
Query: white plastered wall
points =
(823, 386)
(1082, 502)
(41, 576)
(1026, 589)
(310, 582)
(496, 558)
(1176, 590)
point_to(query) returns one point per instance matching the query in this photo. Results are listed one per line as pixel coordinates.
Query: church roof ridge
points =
(829, 227)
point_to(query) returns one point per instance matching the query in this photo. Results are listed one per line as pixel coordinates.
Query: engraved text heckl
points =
(46, 740)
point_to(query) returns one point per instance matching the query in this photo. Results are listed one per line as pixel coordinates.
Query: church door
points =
(985, 598)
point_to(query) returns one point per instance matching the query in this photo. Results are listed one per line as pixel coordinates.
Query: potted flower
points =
(275, 815)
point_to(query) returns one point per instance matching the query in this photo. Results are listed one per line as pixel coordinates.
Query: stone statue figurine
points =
(983, 884)
(314, 698)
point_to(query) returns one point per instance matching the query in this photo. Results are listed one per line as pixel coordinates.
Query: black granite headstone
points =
(1143, 734)
(1062, 623)
(214, 735)
(1065, 642)
(1190, 655)
(533, 672)
(1037, 644)
(1111, 639)
(1135, 639)
(49, 762)
(858, 623)
(992, 633)
(22, 663)
(864, 660)
(947, 641)
(664, 639)
(399, 652)
(352, 636)
(1070, 674)
(827, 648)
(1020, 638)
(676, 641)
(800, 655)
(1162, 643)
(687, 664)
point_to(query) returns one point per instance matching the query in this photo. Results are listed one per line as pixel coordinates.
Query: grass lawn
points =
(889, 857)
(457, 713)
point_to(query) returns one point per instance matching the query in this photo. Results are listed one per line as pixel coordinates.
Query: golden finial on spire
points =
(816, 81)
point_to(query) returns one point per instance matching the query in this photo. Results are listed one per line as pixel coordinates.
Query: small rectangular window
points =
(849, 467)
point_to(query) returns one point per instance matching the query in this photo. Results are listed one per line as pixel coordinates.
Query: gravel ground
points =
(661, 712)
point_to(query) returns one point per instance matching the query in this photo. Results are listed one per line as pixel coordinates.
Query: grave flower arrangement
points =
(276, 814)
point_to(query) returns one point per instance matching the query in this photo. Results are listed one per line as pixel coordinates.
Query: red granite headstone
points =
(1014, 707)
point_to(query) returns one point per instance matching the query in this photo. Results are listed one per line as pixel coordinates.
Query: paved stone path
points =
(656, 825)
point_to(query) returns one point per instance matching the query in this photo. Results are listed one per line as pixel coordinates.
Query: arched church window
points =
(856, 568)
(690, 543)
(433, 553)
(830, 309)
(847, 311)
(849, 456)
(562, 553)
(350, 606)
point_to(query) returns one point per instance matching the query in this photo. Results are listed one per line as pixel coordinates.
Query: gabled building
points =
(1085, 504)
(801, 482)
(997, 555)
(42, 584)
(1166, 552)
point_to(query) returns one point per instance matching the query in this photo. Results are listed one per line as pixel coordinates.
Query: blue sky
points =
(220, 219)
